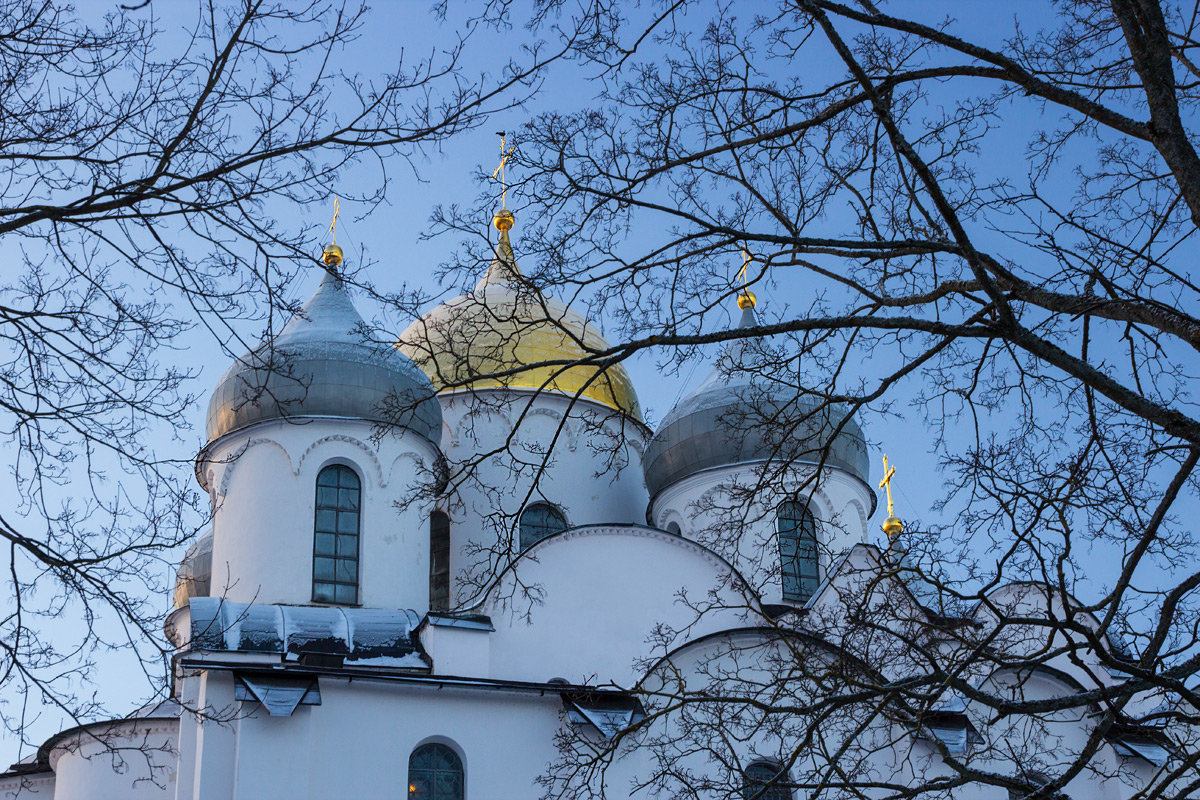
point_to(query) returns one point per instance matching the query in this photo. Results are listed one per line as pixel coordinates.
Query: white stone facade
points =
(611, 602)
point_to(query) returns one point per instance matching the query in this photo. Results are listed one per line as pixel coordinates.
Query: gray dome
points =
(320, 365)
(194, 576)
(736, 417)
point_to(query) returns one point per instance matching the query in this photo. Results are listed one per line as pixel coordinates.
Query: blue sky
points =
(391, 235)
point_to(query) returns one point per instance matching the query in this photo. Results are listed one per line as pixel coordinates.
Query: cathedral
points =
(433, 572)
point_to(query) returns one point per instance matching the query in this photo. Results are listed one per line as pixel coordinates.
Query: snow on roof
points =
(354, 633)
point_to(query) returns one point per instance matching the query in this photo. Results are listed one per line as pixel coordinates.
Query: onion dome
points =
(739, 416)
(506, 334)
(321, 365)
(194, 576)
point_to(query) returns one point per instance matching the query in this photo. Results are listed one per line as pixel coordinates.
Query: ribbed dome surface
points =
(484, 338)
(735, 416)
(320, 365)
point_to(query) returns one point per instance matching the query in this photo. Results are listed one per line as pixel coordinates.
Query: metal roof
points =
(194, 576)
(322, 365)
(363, 636)
(506, 334)
(737, 415)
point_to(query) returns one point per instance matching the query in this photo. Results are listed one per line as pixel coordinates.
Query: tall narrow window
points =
(435, 772)
(765, 780)
(439, 561)
(538, 521)
(335, 541)
(798, 563)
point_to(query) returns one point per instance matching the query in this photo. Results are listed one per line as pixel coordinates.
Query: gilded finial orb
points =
(746, 299)
(504, 220)
(893, 527)
(332, 256)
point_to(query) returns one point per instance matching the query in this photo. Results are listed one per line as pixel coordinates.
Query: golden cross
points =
(337, 209)
(746, 297)
(502, 172)
(886, 483)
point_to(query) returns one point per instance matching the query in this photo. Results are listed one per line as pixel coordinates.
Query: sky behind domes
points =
(390, 238)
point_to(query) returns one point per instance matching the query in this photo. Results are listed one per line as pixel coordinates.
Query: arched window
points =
(798, 564)
(439, 561)
(435, 772)
(673, 527)
(765, 780)
(538, 521)
(335, 540)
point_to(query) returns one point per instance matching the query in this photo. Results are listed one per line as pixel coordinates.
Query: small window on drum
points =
(538, 521)
(435, 772)
(439, 561)
(765, 780)
(798, 563)
(673, 527)
(335, 538)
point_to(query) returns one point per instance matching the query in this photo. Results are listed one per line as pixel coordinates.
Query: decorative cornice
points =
(371, 453)
(637, 532)
(231, 461)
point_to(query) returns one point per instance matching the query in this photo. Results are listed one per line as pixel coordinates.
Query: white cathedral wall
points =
(357, 743)
(1013, 743)
(207, 743)
(132, 760)
(262, 482)
(715, 507)
(690, 742)
(593, 472)
(1047, 743)
(599, 595)
(881, 751)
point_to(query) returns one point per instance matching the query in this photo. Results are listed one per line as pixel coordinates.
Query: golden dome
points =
(506, 334)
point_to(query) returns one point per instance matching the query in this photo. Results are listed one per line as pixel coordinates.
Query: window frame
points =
(777, 787)
(329, 541)
(460, 770)
(798, 584)
(540, 505)
(439, 573)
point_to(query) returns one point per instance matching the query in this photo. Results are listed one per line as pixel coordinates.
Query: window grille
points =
(765, 780)
(439, 561)
(798, 562)
(335, 540)
(435, 772)
(538, 521)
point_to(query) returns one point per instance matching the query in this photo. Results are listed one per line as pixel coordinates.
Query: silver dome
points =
(736, 417)
(320, 365)
(194, 576)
